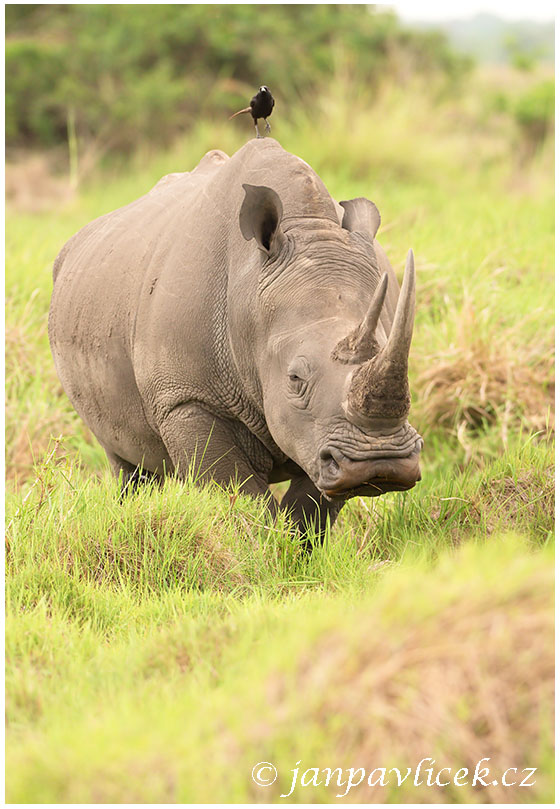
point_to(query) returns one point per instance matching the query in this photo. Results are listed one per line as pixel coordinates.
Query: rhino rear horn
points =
(361, 215)
(379, 387)
(361, 344)
(260, 217)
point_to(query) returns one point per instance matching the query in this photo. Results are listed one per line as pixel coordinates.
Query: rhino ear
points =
(260, 216)
(361, 215)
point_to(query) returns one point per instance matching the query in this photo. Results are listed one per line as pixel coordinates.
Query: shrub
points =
(34, 113)
(534, 114)
(143, 73)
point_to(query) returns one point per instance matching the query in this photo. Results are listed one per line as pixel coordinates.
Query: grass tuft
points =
(480, 374)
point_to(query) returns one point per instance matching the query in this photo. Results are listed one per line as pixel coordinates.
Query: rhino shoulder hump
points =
(211, 161)
(169, 178)
(215, 157)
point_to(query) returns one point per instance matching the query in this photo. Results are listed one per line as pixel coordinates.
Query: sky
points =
(508, 9)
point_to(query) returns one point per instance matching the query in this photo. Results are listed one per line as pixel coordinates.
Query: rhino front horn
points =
(379, 388)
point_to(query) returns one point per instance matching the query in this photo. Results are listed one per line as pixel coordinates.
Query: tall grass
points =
(76, 546)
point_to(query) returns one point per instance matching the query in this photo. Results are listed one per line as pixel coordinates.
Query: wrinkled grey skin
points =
(198, 325)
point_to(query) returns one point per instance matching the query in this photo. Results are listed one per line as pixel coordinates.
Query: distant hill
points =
(486, 37)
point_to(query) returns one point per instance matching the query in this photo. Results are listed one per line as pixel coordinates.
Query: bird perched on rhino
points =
(260, 107)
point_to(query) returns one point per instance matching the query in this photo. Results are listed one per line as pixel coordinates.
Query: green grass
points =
(142, 634)
(176, 699)
(159, 647)
(71, 541)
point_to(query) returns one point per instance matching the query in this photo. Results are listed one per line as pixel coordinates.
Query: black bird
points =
(260, 107)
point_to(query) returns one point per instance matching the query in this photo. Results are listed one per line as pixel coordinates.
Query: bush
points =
(34, 112)
(143, 73)
(534, 114)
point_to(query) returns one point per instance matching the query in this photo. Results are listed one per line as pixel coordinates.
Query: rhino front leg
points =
(131, 477)
(214, 449)
(308, 508)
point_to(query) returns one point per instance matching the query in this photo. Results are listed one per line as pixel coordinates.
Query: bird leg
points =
(267, 127)
(257, 128)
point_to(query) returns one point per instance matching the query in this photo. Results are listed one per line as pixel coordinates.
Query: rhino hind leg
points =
(309, 510)
(131, 477)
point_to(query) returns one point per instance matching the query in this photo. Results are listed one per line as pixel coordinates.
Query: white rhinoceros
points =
(238, 319)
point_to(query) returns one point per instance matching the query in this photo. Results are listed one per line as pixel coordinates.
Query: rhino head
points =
(334, 377)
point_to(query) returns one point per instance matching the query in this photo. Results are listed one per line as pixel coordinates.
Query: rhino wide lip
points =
(383, 479)
(371, 488)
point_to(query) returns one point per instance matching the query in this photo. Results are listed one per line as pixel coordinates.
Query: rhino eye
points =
(296, 382)
(298, 375)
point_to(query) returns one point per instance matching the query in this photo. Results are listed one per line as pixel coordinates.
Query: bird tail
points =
(247, 109)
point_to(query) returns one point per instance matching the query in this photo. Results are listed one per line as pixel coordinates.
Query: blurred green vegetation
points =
(133, 73)
(105, 80)
(534, 112)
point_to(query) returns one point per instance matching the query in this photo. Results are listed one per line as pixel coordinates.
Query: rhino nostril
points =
(328, 460)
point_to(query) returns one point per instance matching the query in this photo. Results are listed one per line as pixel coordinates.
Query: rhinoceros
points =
(238, 321)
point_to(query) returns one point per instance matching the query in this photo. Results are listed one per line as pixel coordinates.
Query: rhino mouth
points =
(373, 488)
(342, 477)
